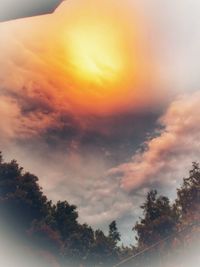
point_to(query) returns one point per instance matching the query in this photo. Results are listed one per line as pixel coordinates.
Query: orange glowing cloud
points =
(88, 57)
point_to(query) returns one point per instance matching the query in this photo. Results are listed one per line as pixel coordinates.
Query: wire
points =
(154, 245)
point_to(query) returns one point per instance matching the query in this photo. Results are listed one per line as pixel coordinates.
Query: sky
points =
(101, 101)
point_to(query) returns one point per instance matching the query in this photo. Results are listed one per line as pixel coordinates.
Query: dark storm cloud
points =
(37, 119)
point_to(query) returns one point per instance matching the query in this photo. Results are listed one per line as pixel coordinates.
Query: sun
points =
(95, 54)
(102, 58)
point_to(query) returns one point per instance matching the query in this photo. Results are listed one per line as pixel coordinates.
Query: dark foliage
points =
(54, 228)
(159, 220)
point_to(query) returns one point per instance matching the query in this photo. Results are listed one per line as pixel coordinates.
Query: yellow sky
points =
(91, 56)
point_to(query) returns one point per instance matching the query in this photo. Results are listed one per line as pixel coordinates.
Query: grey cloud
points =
(166, 158)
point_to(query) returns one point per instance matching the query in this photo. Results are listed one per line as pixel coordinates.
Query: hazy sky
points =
(101, 101)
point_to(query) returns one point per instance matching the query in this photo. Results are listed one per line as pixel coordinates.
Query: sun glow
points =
(95, 54)
(96, 60)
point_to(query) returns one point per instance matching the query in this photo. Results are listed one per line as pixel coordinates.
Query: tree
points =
(79, 246)
(21, 198)
(159, 220)
(64, 219)
(42, 236)
(105, 251)
(187, 205)
(188, 196)
(101, 250)
(54, 228)
(114, 238)
(114, 234)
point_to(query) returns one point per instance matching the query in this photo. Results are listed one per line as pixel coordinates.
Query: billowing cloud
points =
(165, 158)
(70, 132)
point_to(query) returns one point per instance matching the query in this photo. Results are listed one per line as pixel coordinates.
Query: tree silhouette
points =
(21, 198)
(55, 228)
(114, 234)
(188, 196)
(159, 220)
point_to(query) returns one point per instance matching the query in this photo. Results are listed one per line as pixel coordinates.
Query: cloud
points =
(34, 57)
(25, 117)
(52, 133)
(165, 158)
(9, 112)
(70, 153)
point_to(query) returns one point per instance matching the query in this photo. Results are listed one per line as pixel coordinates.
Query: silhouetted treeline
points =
(54, 228)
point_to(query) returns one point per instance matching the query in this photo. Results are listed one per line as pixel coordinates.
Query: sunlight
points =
(95, 53)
